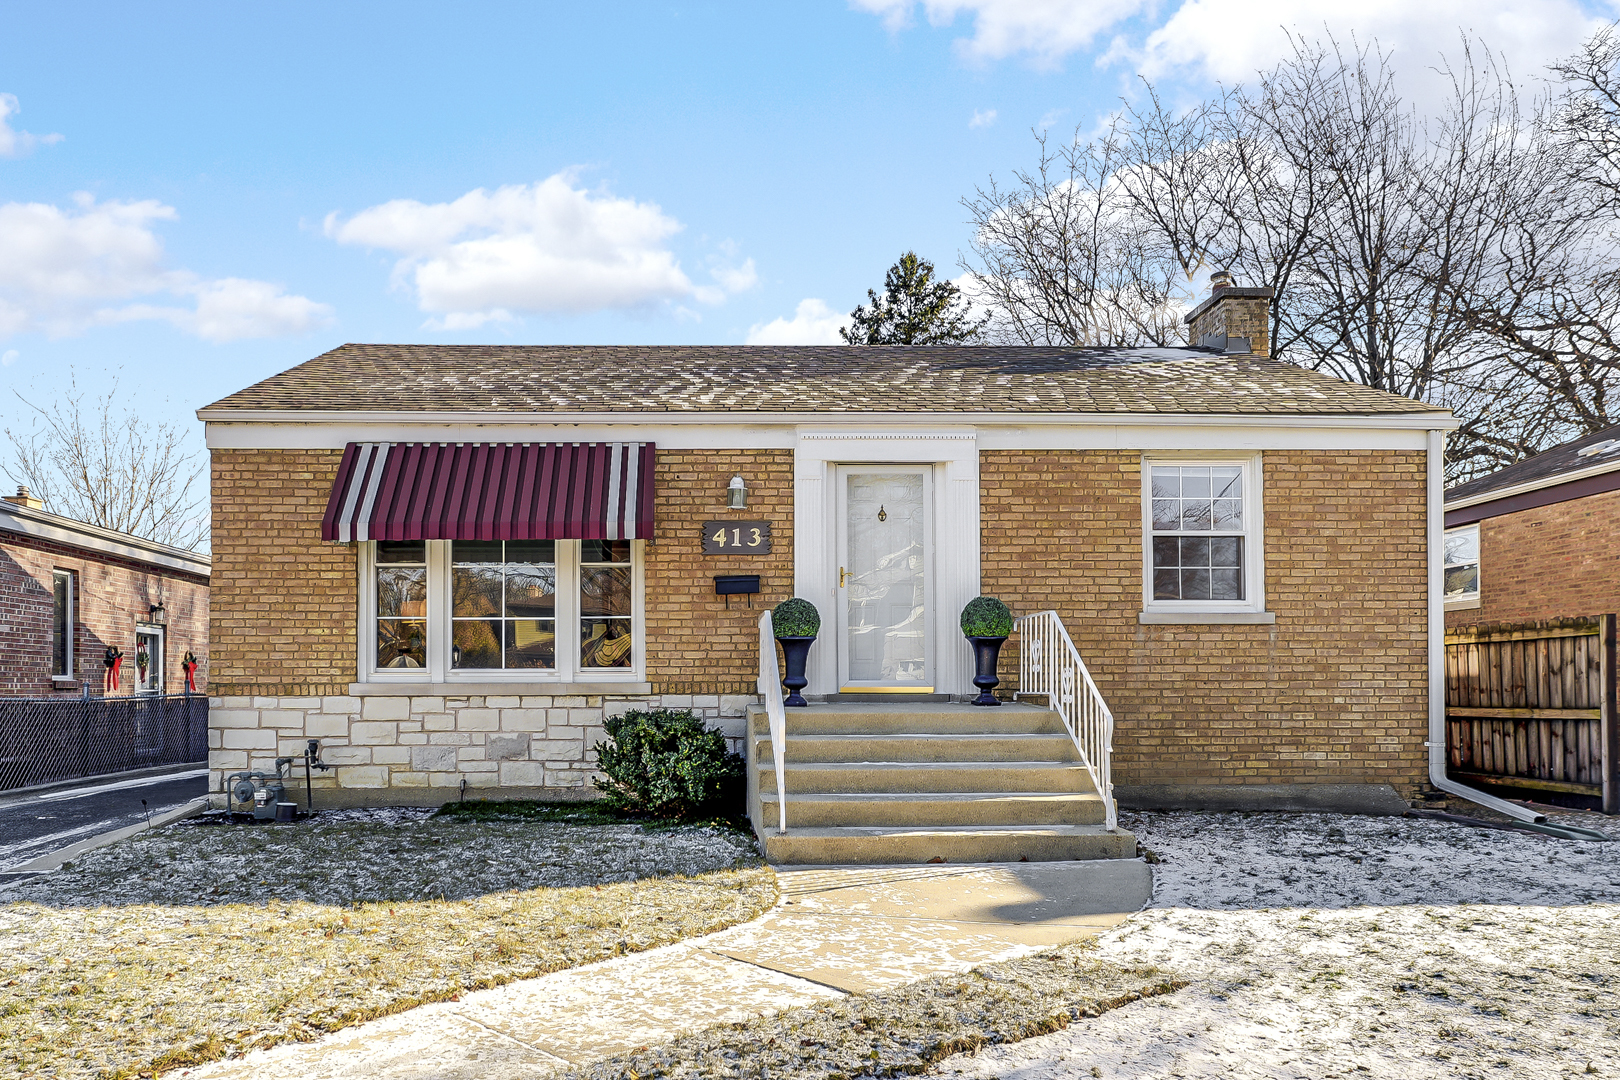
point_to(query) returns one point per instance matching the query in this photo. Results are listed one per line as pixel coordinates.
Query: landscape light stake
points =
(148, 810)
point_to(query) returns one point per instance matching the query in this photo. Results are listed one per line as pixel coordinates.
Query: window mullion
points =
(568, 556)
(438, 613)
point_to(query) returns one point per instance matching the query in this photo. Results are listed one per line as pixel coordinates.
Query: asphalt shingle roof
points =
(1548, 465)
(771, 379)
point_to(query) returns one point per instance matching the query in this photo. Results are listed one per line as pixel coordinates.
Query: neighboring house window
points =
(62, 624)
(1462, 566)
(503, 609)
(1202, 531)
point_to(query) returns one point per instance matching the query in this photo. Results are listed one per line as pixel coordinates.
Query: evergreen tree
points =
(914, 309)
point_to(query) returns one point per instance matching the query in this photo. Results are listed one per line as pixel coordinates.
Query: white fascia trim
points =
(1420, 420)
(283, 430)
(60, 530)
(1534, 485)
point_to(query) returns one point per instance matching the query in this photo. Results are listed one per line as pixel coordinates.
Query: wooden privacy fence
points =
(1533, 705)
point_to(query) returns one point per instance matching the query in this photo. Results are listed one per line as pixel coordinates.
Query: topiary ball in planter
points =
(986, 622)
(987, 617)
(796, 618)
(795, 623)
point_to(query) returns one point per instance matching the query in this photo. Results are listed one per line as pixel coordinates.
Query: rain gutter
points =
(1437, 648)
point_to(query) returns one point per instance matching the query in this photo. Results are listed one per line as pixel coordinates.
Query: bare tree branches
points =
(1466, 258)
(111, 468)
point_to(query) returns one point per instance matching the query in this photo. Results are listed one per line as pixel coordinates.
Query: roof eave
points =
(42, 525)
(1556, 479)
(1425, 420)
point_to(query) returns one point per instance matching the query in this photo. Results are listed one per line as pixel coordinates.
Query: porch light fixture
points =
(736, 494)
(155, 614)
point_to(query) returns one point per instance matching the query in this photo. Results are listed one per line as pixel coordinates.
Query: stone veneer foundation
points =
(416, 748)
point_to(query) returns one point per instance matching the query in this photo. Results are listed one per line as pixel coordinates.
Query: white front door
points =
(885, 544)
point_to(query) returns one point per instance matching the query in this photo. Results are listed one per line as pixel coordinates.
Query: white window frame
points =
(438, 670)
(1465, 602)
(1253, 607)
(70, 630)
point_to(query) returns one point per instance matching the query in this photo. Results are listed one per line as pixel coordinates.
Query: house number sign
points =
(736, 538)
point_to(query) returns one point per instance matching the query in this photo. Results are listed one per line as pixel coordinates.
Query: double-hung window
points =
(1462, 567)
(1202, 532)
(501, 610)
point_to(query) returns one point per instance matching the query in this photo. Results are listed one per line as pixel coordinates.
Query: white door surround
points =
(953, 457)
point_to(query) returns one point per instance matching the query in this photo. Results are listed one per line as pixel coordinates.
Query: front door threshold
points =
(885, 697)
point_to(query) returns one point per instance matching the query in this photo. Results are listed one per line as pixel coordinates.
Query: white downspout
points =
(1437, 646)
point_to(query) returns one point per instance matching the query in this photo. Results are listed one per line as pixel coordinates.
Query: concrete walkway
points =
(837, 930)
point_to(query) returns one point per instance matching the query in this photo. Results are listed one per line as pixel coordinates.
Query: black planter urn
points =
(795, 651)
(986, 651)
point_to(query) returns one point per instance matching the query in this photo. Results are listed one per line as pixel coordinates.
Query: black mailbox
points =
(735, 584)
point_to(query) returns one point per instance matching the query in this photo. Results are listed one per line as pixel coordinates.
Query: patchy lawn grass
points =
(1338, 946)
(185, 944)
(901, 1031)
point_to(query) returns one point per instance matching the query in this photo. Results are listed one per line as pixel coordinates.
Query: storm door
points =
(885, 542)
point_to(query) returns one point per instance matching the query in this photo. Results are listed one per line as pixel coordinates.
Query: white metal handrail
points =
(770, 688)
(1048, 663)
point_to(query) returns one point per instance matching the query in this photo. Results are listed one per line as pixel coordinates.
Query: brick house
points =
(1536, 540)
(70, 591)
(450, 563)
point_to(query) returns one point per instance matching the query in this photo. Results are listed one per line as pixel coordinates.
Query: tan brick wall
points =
(284, 599)
(111, 596)
(1334, 692)
(1547, 563)
(695, 643)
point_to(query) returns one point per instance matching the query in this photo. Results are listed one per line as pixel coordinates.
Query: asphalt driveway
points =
(34, 825)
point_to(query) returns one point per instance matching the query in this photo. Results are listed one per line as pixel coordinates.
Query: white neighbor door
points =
(885, 550)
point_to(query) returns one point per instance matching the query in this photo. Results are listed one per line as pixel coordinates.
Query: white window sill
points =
(531, 688)
(1206, 618)
(64, 680)
(1470, 604)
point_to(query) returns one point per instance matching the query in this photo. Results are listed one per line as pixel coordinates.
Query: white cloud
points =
(546, 247)
(982, 118)
(1221, 42)
(15, 143)
(1045, 30)
(813, 323)
(9, 357)
(736, 279)
(64, 270)
(1230, 40)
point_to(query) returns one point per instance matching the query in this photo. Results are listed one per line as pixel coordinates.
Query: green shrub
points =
(985, 616)
(666, 763)
(795, 618)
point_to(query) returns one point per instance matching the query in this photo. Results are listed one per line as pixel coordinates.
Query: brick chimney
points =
(1233, 320)
(23, 498)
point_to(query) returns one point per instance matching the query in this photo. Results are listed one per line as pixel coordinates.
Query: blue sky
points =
(198, 196)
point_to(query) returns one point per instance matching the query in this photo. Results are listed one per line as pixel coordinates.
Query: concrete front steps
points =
(926, 782)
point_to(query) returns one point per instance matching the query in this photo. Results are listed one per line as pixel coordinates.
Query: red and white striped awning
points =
(492, 491)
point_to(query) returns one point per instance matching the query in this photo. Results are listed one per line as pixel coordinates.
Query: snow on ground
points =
(388, 854)
(1335, 946)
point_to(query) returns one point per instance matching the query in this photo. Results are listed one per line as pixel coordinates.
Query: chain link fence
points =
(44, 740)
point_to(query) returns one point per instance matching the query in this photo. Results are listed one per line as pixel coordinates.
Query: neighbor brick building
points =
(70, 591)
(449, 564)
(1537, 540)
